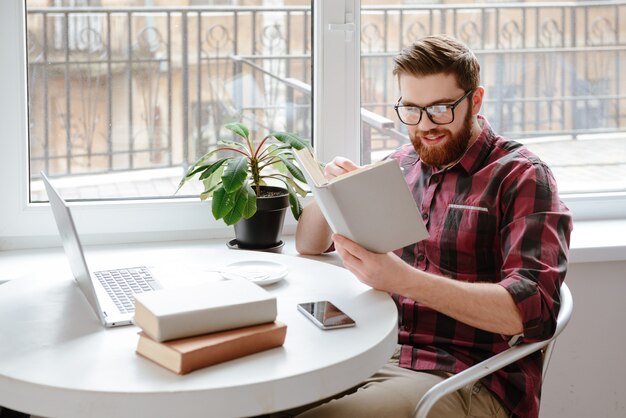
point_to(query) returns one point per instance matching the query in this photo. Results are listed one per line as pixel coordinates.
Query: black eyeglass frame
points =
(451, 107)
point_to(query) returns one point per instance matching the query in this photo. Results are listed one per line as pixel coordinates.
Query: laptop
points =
(109, 292)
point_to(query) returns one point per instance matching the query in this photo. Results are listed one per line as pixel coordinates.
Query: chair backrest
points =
(565, 314)
(500, 360)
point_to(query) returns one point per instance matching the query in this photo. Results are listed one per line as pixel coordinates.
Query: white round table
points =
(57, 360)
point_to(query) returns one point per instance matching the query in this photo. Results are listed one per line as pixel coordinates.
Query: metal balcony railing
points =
(116, 89)
(550, 68)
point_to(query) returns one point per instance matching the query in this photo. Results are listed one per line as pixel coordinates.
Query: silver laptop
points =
(109, 292)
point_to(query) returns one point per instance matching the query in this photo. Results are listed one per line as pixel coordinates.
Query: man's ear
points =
(477, 99)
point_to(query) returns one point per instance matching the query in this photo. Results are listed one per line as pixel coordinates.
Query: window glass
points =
(123, 96)
(553, 73)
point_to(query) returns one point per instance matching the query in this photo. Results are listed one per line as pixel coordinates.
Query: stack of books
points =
(188, 328)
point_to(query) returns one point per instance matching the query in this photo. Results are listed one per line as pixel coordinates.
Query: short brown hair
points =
(439, 54)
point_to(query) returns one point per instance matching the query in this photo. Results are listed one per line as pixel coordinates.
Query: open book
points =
(372, 206)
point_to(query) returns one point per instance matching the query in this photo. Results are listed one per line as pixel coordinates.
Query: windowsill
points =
(592, 241)
(598, 241)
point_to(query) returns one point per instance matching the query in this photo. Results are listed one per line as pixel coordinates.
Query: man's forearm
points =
(313, 235)
(487, 306)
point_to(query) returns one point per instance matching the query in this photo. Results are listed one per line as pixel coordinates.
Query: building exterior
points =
(124, 86)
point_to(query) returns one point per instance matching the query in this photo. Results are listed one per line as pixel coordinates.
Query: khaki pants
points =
(394, 392)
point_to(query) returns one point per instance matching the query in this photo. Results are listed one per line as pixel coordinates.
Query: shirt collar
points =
(479, 149)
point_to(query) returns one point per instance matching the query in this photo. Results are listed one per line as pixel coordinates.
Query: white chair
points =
(500, 360)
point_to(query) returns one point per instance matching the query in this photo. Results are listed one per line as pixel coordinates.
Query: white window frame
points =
(336, 123)
(337, 99)
(24, 225)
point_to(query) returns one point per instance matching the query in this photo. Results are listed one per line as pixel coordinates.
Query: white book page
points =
(311, 167)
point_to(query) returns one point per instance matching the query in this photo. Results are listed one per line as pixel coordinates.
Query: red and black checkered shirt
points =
(495, 216)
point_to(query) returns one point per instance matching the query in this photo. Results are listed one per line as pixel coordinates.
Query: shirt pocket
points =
(469, 243)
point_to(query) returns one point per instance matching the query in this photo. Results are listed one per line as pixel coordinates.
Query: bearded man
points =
(490, 272)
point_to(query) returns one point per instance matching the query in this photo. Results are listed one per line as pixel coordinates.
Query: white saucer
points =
(257, 271)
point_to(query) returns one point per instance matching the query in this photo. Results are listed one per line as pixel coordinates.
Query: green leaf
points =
(212, 168)
(199, 162)
(211, 183)
(219, 206)
(302, 192)
(238, 128)
(208, 191)
(294, 203)
(235, 173)
(291, 139)
(275, 149)
(214, 178)
(231, 207)
(279, 166)
(250, 207)
(233, 144)
(293, 169)
(195, 168)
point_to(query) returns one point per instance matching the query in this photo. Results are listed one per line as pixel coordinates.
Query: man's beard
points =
(450, 150)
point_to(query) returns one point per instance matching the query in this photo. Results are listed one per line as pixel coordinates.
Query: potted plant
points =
(238, 184)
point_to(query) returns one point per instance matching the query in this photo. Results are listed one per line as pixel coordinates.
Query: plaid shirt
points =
(494, 216)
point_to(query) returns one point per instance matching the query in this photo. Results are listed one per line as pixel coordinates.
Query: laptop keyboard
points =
(123, 284)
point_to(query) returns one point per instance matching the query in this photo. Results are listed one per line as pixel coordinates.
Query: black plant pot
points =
(264, 228)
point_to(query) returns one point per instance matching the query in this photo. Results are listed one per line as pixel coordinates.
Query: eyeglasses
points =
(439, 114)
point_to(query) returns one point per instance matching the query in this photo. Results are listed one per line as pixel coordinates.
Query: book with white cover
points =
(201, 309)
(372, 205)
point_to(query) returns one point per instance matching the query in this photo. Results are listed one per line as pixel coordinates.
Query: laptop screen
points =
(71, 243)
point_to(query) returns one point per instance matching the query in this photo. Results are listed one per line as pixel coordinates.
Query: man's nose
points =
(425, 124)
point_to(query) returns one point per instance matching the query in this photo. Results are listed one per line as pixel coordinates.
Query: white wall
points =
(587, 373)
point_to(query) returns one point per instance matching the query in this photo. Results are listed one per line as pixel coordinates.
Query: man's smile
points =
(433, 139)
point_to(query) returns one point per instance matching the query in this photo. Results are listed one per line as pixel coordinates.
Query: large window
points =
(114, 99)
(123, 99)
(553, 73)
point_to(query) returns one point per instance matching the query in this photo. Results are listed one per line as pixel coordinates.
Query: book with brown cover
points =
(188, 354)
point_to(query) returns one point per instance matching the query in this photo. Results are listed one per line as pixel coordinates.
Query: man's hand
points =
(339, 166)
(385, 272)
(313, 232)
(487, 306)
